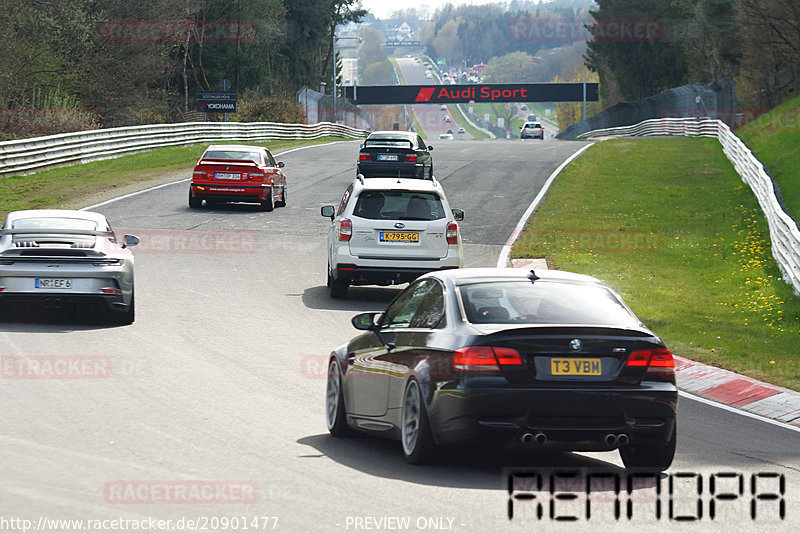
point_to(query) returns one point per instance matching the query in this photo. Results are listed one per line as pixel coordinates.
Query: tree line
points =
(116, 62)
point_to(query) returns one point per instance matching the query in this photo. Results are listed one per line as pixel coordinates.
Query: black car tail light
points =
(412, 158)
(484, 358)
(658, 362)
(364, 157)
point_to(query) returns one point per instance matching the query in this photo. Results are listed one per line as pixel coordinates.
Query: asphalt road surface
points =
(217, 391)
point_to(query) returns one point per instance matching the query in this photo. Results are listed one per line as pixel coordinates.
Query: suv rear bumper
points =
(360, 275)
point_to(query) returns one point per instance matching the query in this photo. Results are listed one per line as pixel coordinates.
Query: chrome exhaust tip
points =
(611, 439)
(527, 438)
(540, 438)
(622, 439)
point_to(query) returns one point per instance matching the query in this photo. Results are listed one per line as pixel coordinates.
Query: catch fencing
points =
(30, 155)
(783, 230)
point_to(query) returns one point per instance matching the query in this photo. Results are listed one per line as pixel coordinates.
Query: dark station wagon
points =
(395, 154)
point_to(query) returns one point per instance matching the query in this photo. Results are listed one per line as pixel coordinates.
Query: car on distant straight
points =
(461, 131)
(395, 154)
(389, 231)
(531, 130)
(443, 108)
(532, 118)
(445, 136)
(547, 359)
(238, 173)
(66, 260)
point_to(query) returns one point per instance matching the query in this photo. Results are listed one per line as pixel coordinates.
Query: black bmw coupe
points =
(548, 358)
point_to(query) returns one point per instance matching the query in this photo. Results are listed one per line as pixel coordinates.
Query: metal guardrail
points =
(30, 155)
(783, 230)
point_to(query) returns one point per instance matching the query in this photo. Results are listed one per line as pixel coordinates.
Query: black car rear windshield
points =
(378, 142)
(399, 205)
(543, 302)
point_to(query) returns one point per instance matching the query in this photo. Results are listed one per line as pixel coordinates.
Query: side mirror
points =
(130, 240)
(365, 321)
(430, 148)
(458, 214)
(327, 211)
(280, 164)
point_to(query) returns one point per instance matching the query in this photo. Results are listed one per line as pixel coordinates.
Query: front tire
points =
(335, 414)
(415, 430)
(652, 457)
(195, 202)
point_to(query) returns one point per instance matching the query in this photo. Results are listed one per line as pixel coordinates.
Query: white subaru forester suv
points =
(388, 231)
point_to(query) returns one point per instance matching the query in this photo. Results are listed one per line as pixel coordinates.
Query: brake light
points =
(411, 158)
(452, 233)
(345, 229)
(256, 175)
(484, 358)
(199, 173)
(364, 157)
(659, 360)
(110, 291)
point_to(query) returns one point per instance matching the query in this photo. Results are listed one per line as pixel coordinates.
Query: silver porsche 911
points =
(66, 259)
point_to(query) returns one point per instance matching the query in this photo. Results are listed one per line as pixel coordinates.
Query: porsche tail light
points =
(657, 361)
(412, 158)
(364, 157)
(452, 233)
(345, 229)
(484, 358)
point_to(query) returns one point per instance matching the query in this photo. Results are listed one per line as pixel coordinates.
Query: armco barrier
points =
(29, 155)
(783, 230)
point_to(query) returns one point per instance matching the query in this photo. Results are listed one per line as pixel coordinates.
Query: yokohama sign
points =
(452, 94)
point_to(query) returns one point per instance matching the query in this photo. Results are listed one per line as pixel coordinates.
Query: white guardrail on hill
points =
(783, 230)
(30, 155)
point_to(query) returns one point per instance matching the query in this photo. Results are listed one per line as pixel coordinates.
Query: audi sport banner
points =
(216, 101)
(453, 94)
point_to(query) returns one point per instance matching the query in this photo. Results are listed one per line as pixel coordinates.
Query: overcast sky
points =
(384, 8)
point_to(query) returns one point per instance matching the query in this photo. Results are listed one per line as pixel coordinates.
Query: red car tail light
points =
(256, 175)
(199, 173)
(656, 361)
(452, 233)
(364, 157)
(484, 358)
(345, 229)
(411, 158)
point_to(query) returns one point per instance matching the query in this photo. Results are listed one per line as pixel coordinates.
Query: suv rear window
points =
(399, 205)
(542, 302)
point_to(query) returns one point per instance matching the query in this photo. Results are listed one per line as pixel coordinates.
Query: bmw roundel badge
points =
(575, 345)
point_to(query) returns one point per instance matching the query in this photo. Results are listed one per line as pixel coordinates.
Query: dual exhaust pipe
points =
(611, 440)
(619, 440)
(530, 438)
(53, 303)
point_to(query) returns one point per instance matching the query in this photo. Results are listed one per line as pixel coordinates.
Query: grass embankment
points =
(69, 185)
(669, 224)
(774, 138)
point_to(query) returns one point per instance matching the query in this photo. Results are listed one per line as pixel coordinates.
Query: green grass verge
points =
(774, 138)
(695, 266)
(462, 122)
(57, 187)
